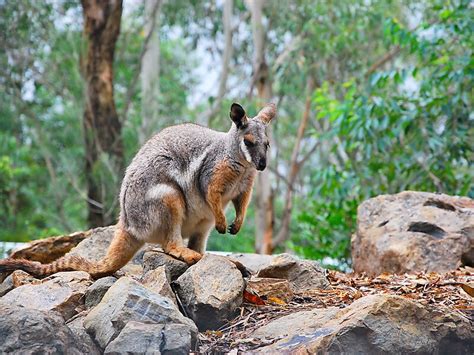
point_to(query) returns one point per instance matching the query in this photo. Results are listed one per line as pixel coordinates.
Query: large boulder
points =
(412, 232)
(62, 292)
(146, 338)
(211, 291)
(95, 247)
(31, 331)
(127, 300)
(303, 275)
(371, 325)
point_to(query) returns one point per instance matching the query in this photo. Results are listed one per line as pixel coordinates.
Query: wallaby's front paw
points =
(221, 227)
(234, 227)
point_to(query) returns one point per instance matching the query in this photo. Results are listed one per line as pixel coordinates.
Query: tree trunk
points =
(295, 166)
(262, 81)
(150, 72)
(102, 128)
(226, 57)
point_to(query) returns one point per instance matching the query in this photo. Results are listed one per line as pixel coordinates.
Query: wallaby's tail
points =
(121, 250)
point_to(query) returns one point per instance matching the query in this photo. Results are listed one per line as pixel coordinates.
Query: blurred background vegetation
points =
(374, 97)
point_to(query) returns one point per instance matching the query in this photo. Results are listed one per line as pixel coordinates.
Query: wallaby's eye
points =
(248, 143)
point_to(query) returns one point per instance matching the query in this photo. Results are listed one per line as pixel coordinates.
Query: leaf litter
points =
(454, 290)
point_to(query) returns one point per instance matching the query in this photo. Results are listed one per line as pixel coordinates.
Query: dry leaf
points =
(276, 300)
(468, 288)
(253, 298)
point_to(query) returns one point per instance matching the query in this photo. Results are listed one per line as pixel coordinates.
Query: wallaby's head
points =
(251, 133)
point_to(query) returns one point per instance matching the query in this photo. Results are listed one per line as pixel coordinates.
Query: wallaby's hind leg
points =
(173, 241)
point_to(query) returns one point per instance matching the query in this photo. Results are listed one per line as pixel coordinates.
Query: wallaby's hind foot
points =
(187, 255)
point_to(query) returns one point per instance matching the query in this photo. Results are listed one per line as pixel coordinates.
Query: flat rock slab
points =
(154, 259)
(270, 290)
(62, 292)
(211, 291)
(31, 331)
(128, 300)
(303, 275)
(412, 232)
(375, 324)
(145, 338)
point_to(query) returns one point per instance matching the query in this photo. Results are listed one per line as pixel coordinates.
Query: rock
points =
(50, 249)
(211, 291)
(145, 338)
(84, 341)
(20, 278)
(303, 275)
(253, 262)
(174, 268)
(6, 286)
(97, 290)
(375, 324)
(96, 245)
(412, 232)
(157, 281)
(127, 300)
(62, 292)
(270, 290)
(31, 331)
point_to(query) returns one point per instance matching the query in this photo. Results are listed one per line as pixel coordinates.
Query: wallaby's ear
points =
(267, 113)
(238, 115)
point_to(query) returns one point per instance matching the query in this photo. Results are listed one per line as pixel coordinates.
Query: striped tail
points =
(121, 250)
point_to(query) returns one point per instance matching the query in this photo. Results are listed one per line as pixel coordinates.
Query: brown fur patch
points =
(241, 203)
(249, 137)
(223, 176)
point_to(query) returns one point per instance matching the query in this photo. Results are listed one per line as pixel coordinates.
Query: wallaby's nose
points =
(262, 164)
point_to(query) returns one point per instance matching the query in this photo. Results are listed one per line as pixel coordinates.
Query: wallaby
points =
(176, 188)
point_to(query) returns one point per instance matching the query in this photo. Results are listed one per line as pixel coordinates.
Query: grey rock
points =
(154, 259)
(127, 300)
(303, 275)
(62, 292)
(412, 232)
(31, 331)
(145, 338)
(211, 291)
(97, 290)
(84, 341)
(157, 281)
(378, 324)
(95, 247)
(253, 262)
(6, 286)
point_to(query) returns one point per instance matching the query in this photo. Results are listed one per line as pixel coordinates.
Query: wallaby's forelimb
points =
(122, 248)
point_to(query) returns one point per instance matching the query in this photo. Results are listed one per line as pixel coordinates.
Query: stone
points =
(413, 232)
(97, 290)
(253, 262)
(96, 245)
(157, 281)
(146, 338)
(154, 258)
(49, 249)
(62, 292)
(210, 291)
(20, 278)
(127, 300)
(6, 286)
(303, 275)
(31, 331)
(270, 290)
(374, 324)
(84, 341)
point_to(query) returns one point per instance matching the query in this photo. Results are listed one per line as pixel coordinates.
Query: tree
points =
(102, 128)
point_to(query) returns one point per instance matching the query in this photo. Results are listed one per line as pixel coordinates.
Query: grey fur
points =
(180, 160)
